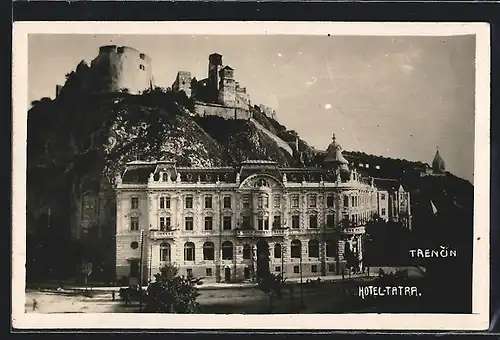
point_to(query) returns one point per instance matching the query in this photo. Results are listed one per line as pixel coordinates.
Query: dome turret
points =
(334, 158)
(438, 164)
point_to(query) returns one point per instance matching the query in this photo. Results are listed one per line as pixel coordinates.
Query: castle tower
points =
(334, 159)
(120, 69)
(214, 67)
(438, 165)
(182, 83)
(227, 87)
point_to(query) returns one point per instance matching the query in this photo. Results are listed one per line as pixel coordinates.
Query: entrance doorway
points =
(134, 273)
(262, 258)
(247, 273)
(227, 274)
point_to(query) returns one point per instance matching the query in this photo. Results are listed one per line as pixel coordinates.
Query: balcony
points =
(261, 233)
(162, 234)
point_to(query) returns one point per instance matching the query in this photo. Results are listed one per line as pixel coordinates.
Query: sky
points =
(399, 97)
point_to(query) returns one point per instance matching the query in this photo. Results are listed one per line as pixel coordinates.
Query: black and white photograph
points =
(251, 173)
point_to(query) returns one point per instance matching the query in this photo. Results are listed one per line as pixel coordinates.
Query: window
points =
(263, 201)
(331, 267)
(353, 202)
(314, 268)
(142, 67)
(165, 252)
(247, 222)
(227, 223)
(164, 223)
(227, 202)
(346, 201)
(295, 201)
(277, 251)
(208, 251)
(277, 222)
(277, 269)
(164, 202)
(382, 197)
(276, 201)
(330, 221)
(330, 248)
(208, 202)
(188, 222)
(312, 201)
(295, 249)
(189, 251)
(189, 272)
(313, 248)
(313, 221)
(134, 223)
(208, 272)
(134, 245)
(189, 202)
(247, 252)
(295, 222)
(329, 201)
(263, 223)
(246, 201)
(383, 211)
(296, 269)
(227, 250)
(134, 202)
(209, 223)
(142, 56)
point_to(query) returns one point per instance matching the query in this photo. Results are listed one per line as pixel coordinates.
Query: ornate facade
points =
(227, 223)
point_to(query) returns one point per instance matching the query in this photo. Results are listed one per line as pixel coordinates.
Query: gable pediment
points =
(261, 181)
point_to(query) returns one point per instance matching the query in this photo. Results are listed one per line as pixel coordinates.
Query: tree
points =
(86, 270)
(171, 293)
(271, 285)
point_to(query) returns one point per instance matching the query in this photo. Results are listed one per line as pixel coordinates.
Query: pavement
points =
(412, 272)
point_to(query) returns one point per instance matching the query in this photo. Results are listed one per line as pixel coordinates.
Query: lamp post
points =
(140, 270)
(282, 260)
(301, 288)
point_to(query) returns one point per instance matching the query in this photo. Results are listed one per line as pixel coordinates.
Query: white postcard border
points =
(478, 320)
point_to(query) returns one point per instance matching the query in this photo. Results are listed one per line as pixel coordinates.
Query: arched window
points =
(247, 252)
(277, 251)
(330, 248)
(164, 177)
(165, 252)
(227, 250)
(295, 249)
(208, 251)
(313, 248)
(189, 251)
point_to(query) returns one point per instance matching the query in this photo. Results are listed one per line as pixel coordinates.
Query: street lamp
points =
(140, 270)
(301, 285)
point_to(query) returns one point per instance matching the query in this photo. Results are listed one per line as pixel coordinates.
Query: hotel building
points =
(227, 223)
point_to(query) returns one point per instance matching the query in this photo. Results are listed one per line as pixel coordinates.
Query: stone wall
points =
(206, 109)
(281, 143)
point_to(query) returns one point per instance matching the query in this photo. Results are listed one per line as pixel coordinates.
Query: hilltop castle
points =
(217, 95)
(125, 69)
(115, 69)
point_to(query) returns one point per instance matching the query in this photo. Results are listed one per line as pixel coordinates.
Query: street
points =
(318, 298)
